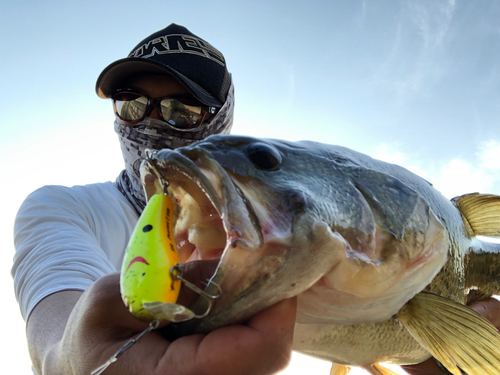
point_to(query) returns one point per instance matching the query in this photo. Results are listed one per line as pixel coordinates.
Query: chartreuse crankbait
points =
(148, 277)
(151, 274)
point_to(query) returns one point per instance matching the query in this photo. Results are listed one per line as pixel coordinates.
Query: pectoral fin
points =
(339, 369)
(376, 369)
(453, 333)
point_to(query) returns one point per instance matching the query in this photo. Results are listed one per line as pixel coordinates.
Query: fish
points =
(382, 264)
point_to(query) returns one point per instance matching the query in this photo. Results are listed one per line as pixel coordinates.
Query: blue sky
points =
(415, 82)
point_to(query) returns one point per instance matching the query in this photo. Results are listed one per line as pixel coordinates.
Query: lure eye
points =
(263, 156)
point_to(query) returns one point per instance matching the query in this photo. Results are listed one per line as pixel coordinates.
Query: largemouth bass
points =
(382, 263)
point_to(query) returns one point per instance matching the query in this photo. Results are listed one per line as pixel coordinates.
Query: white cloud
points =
(391, 153)
(459, 177)
(489, 155)
(456, 176)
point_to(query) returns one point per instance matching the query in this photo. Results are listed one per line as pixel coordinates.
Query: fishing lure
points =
(147, 277)
(151, 274)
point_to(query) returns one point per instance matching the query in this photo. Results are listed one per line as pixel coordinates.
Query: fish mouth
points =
(211, 212)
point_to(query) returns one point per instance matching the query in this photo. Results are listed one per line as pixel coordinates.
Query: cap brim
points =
(113, 75)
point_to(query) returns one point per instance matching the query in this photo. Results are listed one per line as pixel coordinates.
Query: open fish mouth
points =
(212, 213)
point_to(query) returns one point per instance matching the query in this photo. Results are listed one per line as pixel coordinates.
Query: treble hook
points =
(176, 273)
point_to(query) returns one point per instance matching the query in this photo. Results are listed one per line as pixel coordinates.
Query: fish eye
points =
(263, 156)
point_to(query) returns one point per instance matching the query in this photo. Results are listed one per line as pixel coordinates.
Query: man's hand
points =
(100, 324)
(489, 308)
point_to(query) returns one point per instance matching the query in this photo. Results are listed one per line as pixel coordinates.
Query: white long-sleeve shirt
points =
(68, 237)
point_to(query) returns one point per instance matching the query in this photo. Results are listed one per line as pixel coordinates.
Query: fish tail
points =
(453, 333)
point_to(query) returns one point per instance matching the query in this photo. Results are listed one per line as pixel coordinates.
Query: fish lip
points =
(177, 161)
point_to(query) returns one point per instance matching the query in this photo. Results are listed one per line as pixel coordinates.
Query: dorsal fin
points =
(480, 213)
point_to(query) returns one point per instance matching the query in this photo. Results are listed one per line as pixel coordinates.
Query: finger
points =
(427, 367)
(104, 298)
(275, 326)
(101, 307)
(490, 309)
(263, 346)
(100, 325)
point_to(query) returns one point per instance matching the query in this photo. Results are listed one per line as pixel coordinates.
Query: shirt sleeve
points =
(63, 238)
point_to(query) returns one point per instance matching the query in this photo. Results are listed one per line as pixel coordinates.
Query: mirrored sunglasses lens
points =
(130, 107)
(180, 115)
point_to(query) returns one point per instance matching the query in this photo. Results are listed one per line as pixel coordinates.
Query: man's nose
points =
(155, 113)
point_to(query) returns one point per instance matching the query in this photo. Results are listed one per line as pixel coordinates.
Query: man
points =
(173, 89)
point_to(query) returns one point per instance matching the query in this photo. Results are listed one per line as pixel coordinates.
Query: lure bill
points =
(150, 282)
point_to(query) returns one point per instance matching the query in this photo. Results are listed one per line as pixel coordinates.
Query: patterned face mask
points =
(156, 134)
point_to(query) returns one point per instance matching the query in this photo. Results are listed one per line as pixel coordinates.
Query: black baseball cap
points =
(199, 66)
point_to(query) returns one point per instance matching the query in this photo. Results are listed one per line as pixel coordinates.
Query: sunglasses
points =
(180, 113)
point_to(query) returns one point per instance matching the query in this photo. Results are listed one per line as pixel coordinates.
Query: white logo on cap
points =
(178, 43)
